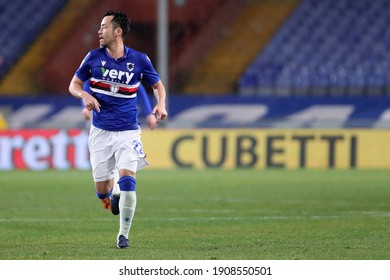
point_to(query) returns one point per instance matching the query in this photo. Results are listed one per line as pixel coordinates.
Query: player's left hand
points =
(151, 121)
(160, 112)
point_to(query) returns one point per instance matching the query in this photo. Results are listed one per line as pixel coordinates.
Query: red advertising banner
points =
(40, 149)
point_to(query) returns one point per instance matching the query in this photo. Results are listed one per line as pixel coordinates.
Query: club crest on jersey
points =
(130, 66)
(114, 88)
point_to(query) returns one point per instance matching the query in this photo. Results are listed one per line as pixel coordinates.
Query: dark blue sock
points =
(127, 183)
(103, 196)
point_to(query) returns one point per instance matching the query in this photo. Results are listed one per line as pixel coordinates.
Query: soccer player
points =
(115, 72)
(151, 122)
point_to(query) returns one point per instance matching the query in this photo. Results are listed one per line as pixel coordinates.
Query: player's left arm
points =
(150, 118)
(160, 110)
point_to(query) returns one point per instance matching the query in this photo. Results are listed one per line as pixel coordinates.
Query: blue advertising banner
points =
(281, 112)
(213, 112)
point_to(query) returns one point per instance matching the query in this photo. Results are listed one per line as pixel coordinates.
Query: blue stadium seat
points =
(27, 19)
(328, 46)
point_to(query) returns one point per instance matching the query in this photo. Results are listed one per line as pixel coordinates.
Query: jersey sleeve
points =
(84, 71)
(149, 74)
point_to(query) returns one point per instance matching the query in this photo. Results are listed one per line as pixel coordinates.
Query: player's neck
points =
(116, 50)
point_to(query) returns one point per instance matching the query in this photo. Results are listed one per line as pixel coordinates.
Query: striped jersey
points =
(114, 83)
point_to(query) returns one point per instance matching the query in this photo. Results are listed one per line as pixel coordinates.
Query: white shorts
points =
(115, 149)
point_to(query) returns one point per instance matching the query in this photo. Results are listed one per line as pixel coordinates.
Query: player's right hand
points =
(90, 102)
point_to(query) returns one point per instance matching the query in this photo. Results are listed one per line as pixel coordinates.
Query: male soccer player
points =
(151, 122)
(115, 72)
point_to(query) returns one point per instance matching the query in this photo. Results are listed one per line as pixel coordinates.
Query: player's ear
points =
(118, 31)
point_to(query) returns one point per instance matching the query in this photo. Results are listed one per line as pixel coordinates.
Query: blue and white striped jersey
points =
(114, 83)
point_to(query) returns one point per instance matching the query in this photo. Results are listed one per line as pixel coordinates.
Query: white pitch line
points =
(371, 214)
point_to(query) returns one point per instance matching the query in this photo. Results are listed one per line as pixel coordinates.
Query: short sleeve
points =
(149, 74)
(84, 71)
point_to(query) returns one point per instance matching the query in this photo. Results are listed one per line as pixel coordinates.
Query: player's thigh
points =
(101, 155)
(126, 160)
(130, 151)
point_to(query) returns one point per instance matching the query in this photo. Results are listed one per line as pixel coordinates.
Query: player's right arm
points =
(76, 89)
(86, 113)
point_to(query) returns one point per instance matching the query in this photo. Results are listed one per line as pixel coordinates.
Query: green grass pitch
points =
(201, 215)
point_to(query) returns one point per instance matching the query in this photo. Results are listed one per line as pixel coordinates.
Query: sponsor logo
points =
(114, 75)
(44, 149)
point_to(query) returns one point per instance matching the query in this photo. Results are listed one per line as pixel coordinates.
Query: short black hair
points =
(120, 20)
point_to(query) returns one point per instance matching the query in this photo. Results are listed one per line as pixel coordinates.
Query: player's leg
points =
(116, 189)
(103, 164)
(127, 204)
(115, 197)
(103, 191)
(129, 158)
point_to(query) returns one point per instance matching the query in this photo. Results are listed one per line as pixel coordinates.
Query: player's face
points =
(106, 32)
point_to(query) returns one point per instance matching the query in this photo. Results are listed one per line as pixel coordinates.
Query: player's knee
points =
(128, 170)
(104, 187)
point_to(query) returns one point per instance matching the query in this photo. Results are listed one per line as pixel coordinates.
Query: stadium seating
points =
(328, 47)
(22, 22)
